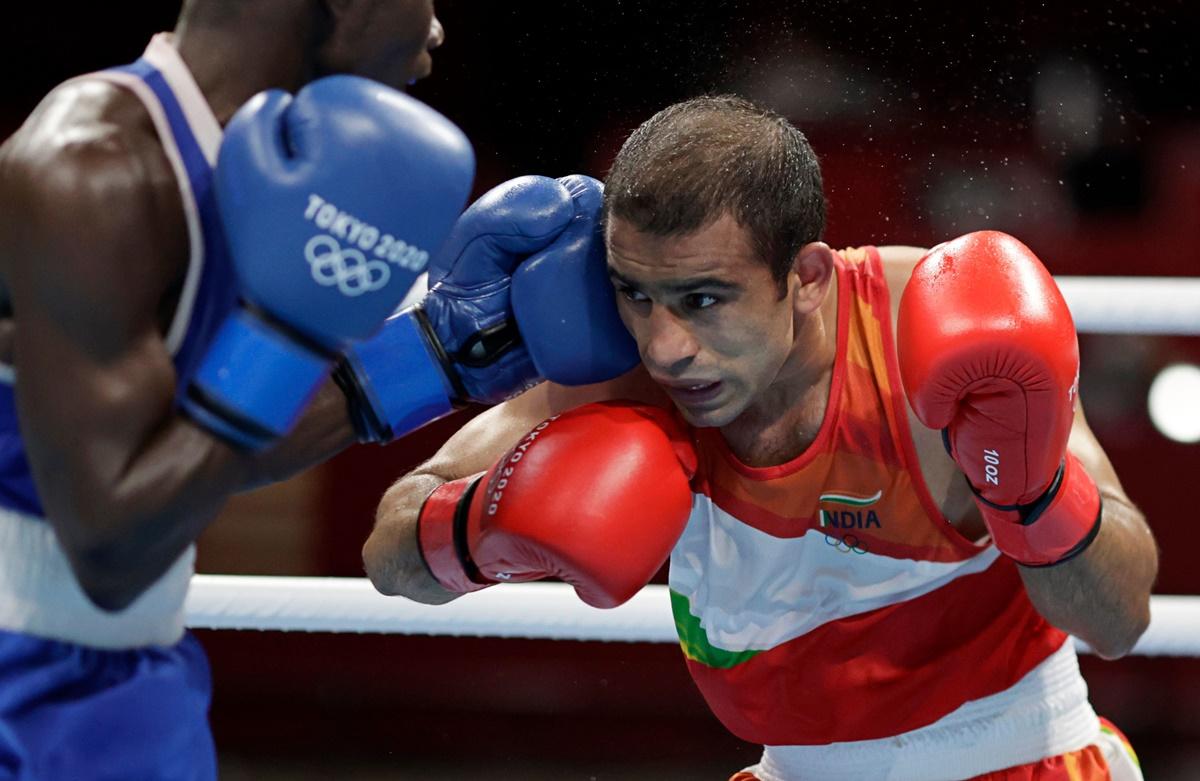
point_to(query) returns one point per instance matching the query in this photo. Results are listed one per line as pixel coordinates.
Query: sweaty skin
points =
(93, 253)
(704, 310)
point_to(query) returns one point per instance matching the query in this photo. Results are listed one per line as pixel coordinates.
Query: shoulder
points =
(88, 140)
(88, 192)
(898, 264)
(77, 121)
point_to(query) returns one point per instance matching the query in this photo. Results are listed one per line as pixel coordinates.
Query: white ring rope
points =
(1133, 305)
(543, 611)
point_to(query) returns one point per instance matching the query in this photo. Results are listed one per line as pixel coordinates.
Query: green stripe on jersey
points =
(694, 640)
(853, 501)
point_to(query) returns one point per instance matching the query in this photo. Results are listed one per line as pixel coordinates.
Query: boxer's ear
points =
(811, 274)
(344, 16)
(325, 16)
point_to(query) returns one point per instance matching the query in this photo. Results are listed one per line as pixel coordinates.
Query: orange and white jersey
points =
(830, 612)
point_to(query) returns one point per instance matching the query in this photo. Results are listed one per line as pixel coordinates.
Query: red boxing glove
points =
(596, 497)
(988, 354)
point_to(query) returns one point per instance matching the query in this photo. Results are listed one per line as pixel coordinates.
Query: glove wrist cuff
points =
(395, 381)
(441, 534)
(1060, 525)
(255, 379)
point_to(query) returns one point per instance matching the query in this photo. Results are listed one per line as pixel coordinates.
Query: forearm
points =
(323, 431)
(1102, 595)
(123, 524)
(123, 528)
(392, 555)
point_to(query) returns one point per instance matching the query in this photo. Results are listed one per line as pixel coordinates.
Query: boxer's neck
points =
(235, 62)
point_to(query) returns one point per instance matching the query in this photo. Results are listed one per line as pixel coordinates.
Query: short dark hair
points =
(691, 162)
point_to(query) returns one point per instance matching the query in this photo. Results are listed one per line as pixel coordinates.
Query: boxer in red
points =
(843, 595)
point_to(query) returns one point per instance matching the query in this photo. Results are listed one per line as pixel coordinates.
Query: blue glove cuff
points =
(397, 376)
(253, 382)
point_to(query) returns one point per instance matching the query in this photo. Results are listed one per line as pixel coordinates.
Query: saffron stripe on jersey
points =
(781, 509)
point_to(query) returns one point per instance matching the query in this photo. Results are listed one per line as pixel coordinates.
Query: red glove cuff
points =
(441, 536)
(1057, 527)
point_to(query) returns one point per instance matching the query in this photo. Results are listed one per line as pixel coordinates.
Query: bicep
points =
(1084, 445)
(86, 280)
(898, 264)
(83, 409)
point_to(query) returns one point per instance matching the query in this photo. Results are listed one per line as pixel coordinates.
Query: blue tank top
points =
(203, 304)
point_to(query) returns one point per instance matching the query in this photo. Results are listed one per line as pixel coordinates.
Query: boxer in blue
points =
(191, 300)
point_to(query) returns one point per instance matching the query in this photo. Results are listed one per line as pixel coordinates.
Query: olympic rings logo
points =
(849, 543)
(349, 269)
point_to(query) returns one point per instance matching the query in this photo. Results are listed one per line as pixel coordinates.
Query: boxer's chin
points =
(707, 416)
(419, 68)
(397, 72)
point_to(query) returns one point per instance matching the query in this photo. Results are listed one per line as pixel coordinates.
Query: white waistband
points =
(1044, 714)
(39, 594)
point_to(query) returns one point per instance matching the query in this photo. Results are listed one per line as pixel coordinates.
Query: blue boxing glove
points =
(564, 301)
(520, 293)
(332, 203)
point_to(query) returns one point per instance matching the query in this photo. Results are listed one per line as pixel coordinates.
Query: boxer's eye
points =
(700, 300)
(631, 294)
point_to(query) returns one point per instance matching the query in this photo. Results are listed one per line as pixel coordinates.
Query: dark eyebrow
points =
(682, 286)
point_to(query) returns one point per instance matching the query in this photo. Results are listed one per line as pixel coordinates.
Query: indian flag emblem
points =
(849, 500)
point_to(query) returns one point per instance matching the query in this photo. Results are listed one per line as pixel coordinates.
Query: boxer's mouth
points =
(692, 392)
